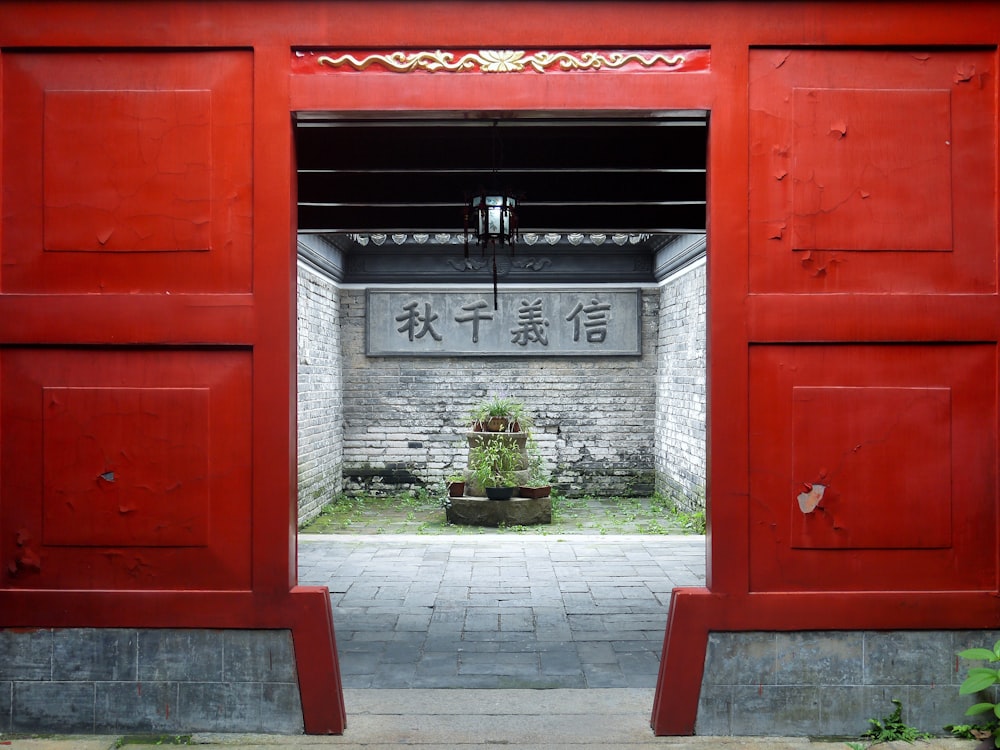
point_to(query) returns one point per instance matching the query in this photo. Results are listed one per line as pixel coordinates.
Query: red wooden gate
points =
(853, 468)
(146, 279)
(147, 460)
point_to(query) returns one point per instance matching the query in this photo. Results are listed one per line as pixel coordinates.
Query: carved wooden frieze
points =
(499, 61)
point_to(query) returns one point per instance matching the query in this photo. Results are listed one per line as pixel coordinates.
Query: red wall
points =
(147, 308)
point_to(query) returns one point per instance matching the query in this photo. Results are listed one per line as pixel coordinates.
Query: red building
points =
(147, 273)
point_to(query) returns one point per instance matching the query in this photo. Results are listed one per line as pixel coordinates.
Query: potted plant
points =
(494, 463)
(456, 485)
(538, 482)
(500, 414)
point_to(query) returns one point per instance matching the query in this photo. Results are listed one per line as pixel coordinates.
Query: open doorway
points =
(605, 204)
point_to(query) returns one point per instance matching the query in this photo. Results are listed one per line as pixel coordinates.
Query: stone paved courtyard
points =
(500, 611)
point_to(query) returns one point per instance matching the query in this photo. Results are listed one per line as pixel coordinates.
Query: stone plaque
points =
(526, 322)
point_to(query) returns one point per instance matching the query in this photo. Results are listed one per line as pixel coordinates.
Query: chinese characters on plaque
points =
(585, 322)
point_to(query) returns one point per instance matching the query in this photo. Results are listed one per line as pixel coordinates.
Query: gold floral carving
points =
(503, 61)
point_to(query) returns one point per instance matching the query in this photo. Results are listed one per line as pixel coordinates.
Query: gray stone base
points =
(518, 511)
(110, 681)
(831, 683)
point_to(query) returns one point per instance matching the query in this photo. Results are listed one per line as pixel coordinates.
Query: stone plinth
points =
(518, 511)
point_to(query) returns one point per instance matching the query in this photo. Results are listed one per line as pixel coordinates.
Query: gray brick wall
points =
(831, 683)
(320, 392)
(680, 387)
(405, 418)
(107, 681)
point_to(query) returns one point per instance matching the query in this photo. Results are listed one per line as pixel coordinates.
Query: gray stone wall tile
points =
(219, 707)
(25, 655)
(137, 707)
(715, 709)
(53, 707)
(181, 655)
(740, 659)
(6, 699)
(932, 707)
(909, 658)
(258, 656)
(775, 710)
(97, 688)
(281, 708)
(82, 654)
(963, 639)
(820, 658)
(845, 710)
(826, 664)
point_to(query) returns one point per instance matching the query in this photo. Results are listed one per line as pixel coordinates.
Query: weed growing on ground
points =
(889, 729)
(420, 511)
(154, 739)
(676, 511)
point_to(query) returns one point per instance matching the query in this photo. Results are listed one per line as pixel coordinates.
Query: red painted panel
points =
(870, 454)
(858, 151)
(897, 444)
(125, 467)
(126, 172)
(147, 158)
(130, 470)
(864, 165)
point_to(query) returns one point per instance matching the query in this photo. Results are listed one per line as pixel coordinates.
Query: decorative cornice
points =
(528, 238)
(507, 60)
(321, 256)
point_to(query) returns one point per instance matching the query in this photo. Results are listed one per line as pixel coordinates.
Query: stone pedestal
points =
(518, 511)
(475, 509)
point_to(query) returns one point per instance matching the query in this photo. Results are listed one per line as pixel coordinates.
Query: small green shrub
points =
(494, 462)
(979, 679)
(892, 727)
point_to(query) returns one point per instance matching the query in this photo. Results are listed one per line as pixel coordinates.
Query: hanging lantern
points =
(496, 218)
(494, 221)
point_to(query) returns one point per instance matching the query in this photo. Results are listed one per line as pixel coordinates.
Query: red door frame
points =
(262, 320)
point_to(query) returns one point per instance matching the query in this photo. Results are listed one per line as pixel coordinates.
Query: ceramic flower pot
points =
(500, 493)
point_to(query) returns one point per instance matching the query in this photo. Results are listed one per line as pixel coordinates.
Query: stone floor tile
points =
(410, 612)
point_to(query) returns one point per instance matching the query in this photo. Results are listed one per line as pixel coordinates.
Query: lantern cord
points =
(466, 230)
(495, 276)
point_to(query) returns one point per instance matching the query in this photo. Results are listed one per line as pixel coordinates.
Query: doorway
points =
(607, 203)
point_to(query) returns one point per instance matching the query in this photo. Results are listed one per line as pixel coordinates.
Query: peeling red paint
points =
(965, 73)
(811, 498)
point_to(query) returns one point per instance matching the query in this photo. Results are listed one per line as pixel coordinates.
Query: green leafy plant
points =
(979, 679)
(501, 414)
(974, 731)
(495, 461)
(538, 472)
(675, 508)
(891, 728)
